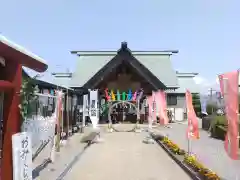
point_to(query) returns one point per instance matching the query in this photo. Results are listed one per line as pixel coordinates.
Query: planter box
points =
(220, 132)
(179, 160)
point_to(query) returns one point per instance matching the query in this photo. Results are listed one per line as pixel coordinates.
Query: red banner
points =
(229, 89)
(162, 104)
(192, 130)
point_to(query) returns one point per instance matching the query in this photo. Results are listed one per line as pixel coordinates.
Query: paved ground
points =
(67, 155)
(123, 156)
(209, 151)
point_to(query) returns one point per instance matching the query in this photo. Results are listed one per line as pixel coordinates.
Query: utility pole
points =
(211, 90)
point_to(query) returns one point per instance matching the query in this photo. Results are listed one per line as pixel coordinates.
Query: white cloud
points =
(205, 84)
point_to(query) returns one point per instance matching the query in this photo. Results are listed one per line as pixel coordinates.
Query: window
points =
(171, 100)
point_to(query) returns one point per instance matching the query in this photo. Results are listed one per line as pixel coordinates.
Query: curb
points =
(190, 172)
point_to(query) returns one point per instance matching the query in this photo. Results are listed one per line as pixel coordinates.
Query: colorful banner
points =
(93, 114)
(192, 130)
(150, 110)
(162, 107)
(229, 89)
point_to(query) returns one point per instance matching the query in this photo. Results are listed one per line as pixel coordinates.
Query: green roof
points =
(87, 66)
(186, 81)
(160, 66)
(89, 63)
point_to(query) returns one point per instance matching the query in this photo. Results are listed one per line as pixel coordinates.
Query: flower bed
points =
(189, 162)
(173, 147)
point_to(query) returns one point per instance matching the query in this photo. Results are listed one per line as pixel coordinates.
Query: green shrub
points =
(211, 109)
(196, 104)
(221, 120)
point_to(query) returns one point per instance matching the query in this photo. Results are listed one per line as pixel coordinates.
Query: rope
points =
(131, 130)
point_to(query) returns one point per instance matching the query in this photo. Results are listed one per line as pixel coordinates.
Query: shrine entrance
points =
(123, 112)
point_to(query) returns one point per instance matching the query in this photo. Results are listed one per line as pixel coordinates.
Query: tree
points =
(27, 94)
(196, 104)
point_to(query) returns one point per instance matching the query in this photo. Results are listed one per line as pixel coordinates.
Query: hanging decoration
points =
(107, 95)
(129, 95)
(124, 96)
(118, 95)
(113, 95)
(134, 96)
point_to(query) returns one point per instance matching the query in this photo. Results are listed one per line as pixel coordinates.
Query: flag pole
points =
(188, 139)
(188, 136)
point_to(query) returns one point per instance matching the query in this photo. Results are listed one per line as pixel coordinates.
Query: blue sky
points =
(206, 32)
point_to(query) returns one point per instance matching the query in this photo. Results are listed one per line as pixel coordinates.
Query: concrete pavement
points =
(123, 156)
(209, 151)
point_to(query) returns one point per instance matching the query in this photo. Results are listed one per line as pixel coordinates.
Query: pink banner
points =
(162, 107)
(192, 130)
(229, 89)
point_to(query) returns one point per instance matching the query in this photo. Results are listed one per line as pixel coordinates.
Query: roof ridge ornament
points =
(124, 45)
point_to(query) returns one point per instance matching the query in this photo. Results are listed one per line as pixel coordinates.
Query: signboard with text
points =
(22, 156)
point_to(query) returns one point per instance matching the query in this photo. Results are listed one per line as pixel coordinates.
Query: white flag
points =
(94, 108)
(85, 108)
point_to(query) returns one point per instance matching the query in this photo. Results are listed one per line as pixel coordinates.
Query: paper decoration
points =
(123, 96)
(129, 95)
(107, 95)
(113, 95)
(118, 95)
(134, 96)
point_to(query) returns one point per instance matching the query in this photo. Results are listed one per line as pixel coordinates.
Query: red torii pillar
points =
(15, 57)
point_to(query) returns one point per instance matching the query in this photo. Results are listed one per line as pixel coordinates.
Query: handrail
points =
(39, 150)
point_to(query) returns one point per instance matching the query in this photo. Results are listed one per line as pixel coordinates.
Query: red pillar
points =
(11, 116)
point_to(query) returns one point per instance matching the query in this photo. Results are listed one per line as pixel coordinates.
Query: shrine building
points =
(126, 69)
